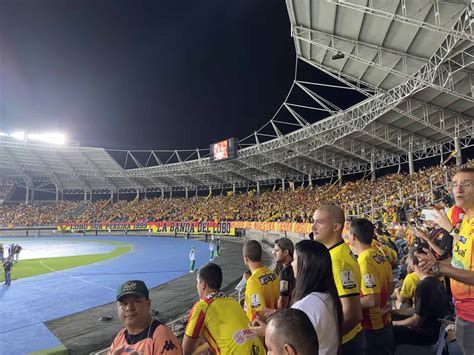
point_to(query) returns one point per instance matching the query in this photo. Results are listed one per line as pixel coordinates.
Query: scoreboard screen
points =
(224, 150)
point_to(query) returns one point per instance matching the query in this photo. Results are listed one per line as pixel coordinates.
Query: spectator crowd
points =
(389, 198)
(354, 287)
(378, 275)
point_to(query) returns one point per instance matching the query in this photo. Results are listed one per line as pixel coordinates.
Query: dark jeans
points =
(7, 278)
(379, 342)
(355, 346)
(465, 335)
(414, 335)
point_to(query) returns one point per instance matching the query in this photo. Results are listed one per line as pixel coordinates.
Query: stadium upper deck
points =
(411, 62)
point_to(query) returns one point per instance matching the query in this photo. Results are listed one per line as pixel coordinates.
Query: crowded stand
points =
(377, 280)
(37, 214)
(389, 198)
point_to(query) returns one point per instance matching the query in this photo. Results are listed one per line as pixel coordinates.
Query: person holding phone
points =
(460, 268)
(437, 239)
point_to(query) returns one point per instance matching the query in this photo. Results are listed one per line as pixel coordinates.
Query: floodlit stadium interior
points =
(397, 163)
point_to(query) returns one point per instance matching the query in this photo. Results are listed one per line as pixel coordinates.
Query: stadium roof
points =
(410, 62)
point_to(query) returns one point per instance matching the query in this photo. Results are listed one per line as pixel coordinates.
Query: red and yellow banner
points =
(191, 227)
(167, 227)
(302, 228)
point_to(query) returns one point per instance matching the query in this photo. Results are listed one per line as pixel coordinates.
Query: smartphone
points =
(428, 215)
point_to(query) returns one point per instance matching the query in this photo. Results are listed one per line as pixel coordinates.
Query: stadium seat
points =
(439, 348)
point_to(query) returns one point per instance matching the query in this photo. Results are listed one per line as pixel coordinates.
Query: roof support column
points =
(372, 170)
(27, 197)
(112, 195)
(233, 188)
(32, 193)
(186, 192)
(441, 159)
(85, 195)
(162, 193)
(138, 194)
(258, 187)
(210, 190)
(310, 180)
(283, 184)
(411, 165)
(457, 147)
(57, 192)
(339, 176)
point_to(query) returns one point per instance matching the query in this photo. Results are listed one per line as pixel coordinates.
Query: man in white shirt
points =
(192, 259)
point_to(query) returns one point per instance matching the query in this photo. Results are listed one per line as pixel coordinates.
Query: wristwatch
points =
(435, 269)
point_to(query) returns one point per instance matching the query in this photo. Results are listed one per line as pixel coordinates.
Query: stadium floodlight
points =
(18, 135)
(50, 138)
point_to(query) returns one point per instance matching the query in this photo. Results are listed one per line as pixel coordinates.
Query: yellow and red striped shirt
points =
(224, 325)
(376, 277)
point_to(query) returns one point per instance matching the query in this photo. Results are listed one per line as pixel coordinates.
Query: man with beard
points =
(283, 254)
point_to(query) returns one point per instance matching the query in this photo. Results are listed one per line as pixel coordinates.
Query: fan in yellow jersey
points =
(219, 319)
(376, 286)
(263, 286)
(408, 289)
(327, 228)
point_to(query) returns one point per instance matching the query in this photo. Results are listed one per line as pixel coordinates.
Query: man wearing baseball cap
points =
(142, 334)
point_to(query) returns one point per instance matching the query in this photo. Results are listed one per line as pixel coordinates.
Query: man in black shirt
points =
(283, 253)
(438, 240)
(431, 304)
(7, 266)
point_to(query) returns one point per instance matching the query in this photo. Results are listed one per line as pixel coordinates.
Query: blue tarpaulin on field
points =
(29, 302)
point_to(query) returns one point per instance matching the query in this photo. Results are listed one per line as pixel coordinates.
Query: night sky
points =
(136, 74)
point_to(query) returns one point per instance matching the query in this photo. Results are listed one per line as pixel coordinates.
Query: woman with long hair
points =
(316, 293)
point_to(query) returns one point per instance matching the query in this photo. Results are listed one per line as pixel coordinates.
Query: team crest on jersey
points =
(462, 239)
(348, 280)
(369, 280)
(255, 300)
(379, 259)
(241, 336)
(267, 278)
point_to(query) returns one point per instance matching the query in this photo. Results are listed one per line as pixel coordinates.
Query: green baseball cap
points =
(133, 287)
